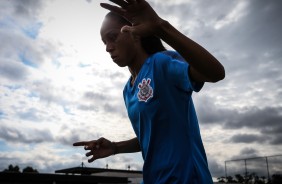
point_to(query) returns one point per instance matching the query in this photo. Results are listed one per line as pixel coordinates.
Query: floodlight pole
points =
(225, 170)
(266, 160)
(246, 171)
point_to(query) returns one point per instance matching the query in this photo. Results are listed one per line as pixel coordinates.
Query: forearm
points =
(198, 57)
(129, 146)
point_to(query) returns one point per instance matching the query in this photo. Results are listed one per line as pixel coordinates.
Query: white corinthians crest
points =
(145, 90)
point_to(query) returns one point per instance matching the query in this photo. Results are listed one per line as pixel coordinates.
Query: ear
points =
(136, 38)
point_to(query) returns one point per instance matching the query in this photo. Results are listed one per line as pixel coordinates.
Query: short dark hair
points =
(151, 44)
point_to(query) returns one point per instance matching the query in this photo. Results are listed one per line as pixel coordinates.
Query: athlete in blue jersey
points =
(158, 94)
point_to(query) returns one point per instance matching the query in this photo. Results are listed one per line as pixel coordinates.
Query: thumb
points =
(127, 28)
(140, 30)
(133, 30)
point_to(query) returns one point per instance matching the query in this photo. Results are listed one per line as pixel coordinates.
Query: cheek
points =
(130, 53)
(128, 49)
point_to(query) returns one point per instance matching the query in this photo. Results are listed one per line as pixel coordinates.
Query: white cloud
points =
(233, 16)
(75, 91)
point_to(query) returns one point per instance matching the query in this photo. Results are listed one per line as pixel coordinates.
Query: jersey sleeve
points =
(177, 71)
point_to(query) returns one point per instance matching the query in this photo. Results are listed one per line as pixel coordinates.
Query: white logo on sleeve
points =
(145, 90)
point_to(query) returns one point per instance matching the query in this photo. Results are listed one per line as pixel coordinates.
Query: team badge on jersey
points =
(145, 90)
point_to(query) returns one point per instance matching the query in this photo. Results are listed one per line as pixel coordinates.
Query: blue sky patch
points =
(13, 87)
(56, 63)
(27, 61)
(67, 110)
(8, 22)
(33, 94)
(2, 115)
(32, 31)
(4, 146)
(81, 65)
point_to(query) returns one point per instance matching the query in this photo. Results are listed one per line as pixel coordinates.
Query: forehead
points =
(109, 24)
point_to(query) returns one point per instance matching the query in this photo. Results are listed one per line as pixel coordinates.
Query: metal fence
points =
(263, 167)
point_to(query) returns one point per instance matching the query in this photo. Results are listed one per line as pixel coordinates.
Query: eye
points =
(112, 37)
(104, 41)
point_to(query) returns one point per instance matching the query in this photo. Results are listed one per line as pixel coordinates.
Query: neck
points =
(136, 65)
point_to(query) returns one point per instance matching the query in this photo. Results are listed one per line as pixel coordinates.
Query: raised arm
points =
(204, 67)
(102, 147)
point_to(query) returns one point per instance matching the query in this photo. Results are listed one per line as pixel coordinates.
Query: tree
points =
(239, 178)
(29, 169)
(16, 169)
(221, 179)
(11, 168)
(230, 179)
(276, 179)
(250, 178)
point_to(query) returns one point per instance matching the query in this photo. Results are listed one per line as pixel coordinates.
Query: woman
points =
(158, 94)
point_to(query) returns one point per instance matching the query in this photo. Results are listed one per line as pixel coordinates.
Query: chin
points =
(121, 65)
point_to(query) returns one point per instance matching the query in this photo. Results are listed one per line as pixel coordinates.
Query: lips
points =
(113, 57)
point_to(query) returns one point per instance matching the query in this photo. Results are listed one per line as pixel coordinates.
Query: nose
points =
(109, 47)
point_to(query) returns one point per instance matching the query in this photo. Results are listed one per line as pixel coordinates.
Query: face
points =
(120, 46)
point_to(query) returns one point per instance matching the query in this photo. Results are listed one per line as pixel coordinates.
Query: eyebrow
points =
(113, 31)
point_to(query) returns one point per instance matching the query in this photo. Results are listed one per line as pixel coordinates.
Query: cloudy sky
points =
(58, 85)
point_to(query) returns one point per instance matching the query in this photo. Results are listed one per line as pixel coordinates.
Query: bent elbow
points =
(220, 75)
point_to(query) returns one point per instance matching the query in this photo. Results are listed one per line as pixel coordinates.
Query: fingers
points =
(94, 156)
(88, 145)
(94, 148)
(112, 8)
(131, 1)
(89, 153)
(120, 3)
(92, 159)
(123, 3)
(94, 153)
(82, 143)
(125, 29)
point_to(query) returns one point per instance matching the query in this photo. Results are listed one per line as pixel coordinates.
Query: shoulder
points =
(165, 57)
(167, 54)
(158, 56)
(173, 55)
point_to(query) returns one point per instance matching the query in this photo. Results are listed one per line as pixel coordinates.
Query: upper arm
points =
(196, 76)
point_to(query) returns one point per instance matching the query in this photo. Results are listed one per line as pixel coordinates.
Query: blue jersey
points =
(162, 114)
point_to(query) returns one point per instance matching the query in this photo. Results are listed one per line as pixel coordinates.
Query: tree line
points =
(16, 169)
(251, 179)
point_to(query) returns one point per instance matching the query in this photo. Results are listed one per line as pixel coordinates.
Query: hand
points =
(100, 148)
(145, 21)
